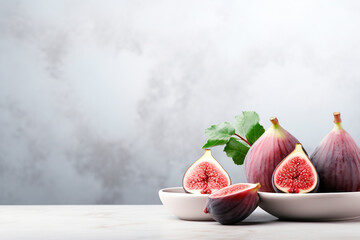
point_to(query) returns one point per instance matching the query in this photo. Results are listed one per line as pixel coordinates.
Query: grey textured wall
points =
(107, 101)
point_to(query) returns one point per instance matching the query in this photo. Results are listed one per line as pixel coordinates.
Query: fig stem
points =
(274, 121)
(337, 121)
(337, 118)
(242, 139)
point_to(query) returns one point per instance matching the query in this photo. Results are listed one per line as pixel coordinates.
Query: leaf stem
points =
(242, 139)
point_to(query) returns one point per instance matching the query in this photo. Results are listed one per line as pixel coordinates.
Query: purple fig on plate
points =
(266, 153)
(205, 175)
(337, 160)
(234, 203)
(296, 173)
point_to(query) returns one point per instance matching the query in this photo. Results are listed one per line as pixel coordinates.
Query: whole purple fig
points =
(337, 160)
(266, 153)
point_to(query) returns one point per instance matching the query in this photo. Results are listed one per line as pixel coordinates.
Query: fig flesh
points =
(337, 160)
(234, 203)
(296, 173)
(205, 175)
(266, 153)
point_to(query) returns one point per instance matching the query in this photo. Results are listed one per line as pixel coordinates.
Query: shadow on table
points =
(258, 218)
(351, 220)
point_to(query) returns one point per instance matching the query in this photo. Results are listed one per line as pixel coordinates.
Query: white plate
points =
(312, 206)
(184, 205)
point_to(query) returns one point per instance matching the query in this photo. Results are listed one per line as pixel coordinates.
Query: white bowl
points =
(312, 206)
(185, 206)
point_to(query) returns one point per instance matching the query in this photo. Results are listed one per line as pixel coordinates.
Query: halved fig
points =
(205, 175)
(296, 173)
(234, 203)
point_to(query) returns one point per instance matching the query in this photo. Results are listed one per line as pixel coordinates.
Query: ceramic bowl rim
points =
(168, 191)
(308, 195)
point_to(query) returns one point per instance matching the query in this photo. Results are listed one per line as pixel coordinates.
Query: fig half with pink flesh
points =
(234, 203)
(205, 175)
(266, 153)
(337, 160)
(296, 173)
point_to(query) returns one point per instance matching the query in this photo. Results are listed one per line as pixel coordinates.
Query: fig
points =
(205, 175)
(337, 160)
(296, 173)
(266, 153)
(234, 203)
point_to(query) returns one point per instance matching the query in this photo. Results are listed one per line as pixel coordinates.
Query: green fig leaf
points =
(254, 133)
(245, 122)
(219, 134)
(236, 150)
(247, 130)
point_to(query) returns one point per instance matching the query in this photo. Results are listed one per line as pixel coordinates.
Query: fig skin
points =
(233, 207)
(337, 160)
(299, 151)
(205, 175)
(266, 153)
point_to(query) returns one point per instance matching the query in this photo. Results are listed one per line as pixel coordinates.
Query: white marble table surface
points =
(153, 222)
